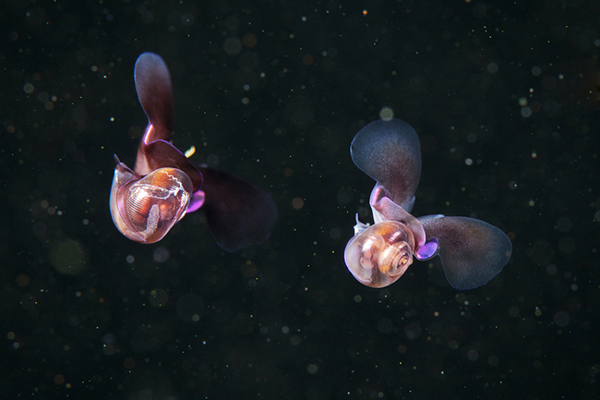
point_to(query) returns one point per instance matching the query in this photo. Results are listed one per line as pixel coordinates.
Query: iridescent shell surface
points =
(380, 254)
(149, 207)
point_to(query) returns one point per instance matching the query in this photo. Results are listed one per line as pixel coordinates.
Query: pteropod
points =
(472, 251)
(147, 201)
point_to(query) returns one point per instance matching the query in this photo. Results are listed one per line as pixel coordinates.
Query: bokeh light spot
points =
(69, 257)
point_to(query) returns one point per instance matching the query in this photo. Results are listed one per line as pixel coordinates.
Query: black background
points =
(274, 92)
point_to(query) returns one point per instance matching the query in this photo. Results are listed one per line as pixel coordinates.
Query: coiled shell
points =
(145, 209)
(380, 254)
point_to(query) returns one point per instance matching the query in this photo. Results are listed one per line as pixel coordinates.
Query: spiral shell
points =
(148, 208)
(380, 254)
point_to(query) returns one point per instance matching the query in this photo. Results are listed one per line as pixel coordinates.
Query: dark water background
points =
(274, 92)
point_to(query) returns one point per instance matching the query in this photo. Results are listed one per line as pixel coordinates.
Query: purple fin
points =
(390, 153)
(472, 251)
(153, 85)
(238, 213)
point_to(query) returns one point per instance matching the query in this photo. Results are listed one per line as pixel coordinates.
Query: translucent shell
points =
(380, 254)
(145, 209)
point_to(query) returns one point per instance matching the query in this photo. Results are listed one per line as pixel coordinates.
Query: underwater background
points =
(505, 97)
